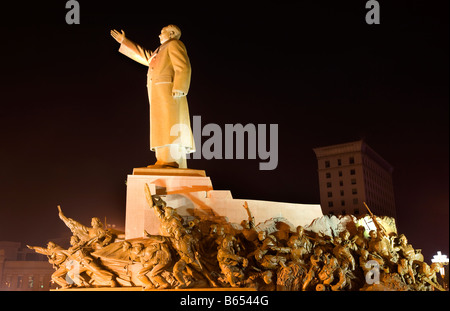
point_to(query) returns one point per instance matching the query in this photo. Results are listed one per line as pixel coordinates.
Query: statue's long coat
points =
(169, 70)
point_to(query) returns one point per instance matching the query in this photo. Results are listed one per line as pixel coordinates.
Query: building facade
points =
(351, 174)
(21, 269)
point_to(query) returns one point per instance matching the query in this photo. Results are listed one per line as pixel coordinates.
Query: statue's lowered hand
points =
(118, 36)
(178, 94)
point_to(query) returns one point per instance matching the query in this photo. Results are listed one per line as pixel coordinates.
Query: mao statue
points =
(168, 80)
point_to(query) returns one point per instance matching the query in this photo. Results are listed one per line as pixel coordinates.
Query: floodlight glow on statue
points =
(168, 80)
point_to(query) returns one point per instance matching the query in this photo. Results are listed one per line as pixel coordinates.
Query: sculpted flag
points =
(169, 70)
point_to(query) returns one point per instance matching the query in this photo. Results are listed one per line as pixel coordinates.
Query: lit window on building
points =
(8, 281)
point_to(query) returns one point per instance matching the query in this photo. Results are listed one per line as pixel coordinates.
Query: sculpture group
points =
(203, 254)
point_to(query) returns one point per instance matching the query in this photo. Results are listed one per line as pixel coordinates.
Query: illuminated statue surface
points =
(168, 81)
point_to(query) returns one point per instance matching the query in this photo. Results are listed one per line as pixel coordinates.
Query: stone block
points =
(191, 193)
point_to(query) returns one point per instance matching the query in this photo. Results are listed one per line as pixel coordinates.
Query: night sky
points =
(74, 111)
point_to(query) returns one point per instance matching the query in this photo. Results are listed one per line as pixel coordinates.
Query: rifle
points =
(251, 219)
(379, 227)
(148, 196)
(154, 201)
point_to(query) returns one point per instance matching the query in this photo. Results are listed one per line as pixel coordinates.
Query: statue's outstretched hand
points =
(118, 36)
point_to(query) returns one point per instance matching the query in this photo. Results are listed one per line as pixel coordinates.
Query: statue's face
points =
(403, 240)
(94, 222)
(165, 35)
(262, 235)
(74, 240)
(267, 278)
(345, 235)
(126, 246)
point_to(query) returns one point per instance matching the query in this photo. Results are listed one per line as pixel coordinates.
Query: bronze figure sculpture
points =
(185, 256)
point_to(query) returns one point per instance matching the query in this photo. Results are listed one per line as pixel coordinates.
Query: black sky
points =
(74, 111)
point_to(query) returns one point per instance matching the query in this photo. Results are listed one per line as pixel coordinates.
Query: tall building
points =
(353, 173)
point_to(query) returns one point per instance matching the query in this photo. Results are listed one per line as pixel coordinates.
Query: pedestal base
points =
(191, 193)
(139, 289)
(168, 171)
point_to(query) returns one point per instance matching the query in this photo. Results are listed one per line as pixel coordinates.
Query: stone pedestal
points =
(180, 188)
(191, 193)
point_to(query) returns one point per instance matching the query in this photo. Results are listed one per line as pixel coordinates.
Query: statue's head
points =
(345, 235)
(95, 222)
(318, 251)
(337, 240)
(267, 277)
(245, 224)
(137, 248)
(51, 245)
(177, 234)
(74, 240)
(262, 235)
(126, 245)
(364, 253)
(403, 263)
(227, 242)
(169, 32)
(402, 239)
(169, 211)
(217, 230)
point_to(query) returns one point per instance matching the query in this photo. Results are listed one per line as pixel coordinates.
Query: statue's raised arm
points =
(40, 250)
(77, 229)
